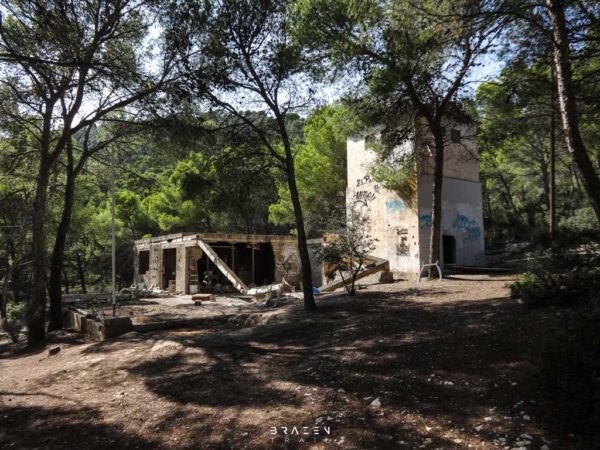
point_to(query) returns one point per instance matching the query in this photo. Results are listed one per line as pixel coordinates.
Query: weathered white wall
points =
(403, 234)
(461, 160)
(462, 217)
(394, 224)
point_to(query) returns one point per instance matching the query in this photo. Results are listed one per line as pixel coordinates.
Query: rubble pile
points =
(133, 293)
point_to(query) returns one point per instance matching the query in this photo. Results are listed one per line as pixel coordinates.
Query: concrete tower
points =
(401, 225)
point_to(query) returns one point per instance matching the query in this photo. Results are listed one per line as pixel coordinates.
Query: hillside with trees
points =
(126, 119)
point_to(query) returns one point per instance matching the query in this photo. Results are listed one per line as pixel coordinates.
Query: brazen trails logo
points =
(299, 434)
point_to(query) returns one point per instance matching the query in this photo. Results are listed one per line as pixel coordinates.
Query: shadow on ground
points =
(448, 374)
(63, 428)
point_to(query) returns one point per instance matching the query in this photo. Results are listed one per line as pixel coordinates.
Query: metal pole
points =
(233, 257)
(253, 281)
(112, 218)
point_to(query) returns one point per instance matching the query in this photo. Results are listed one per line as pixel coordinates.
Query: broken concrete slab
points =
(204, 297)
(95, 329)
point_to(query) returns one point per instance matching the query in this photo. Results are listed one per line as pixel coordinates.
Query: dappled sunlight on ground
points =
(441, 365)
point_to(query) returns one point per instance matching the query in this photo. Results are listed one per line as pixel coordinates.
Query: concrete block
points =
(97, 330)
(115, 326)
(205, 297)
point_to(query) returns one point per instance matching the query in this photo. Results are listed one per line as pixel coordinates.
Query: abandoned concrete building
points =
(184, 262)
(402, 226)
(187, 262)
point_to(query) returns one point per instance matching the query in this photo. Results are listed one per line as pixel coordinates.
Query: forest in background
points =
(183, 165)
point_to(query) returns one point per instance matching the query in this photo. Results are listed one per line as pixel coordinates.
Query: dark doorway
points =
(264, 264)
(254, 264)
(449, 249)
(169, 266)
(144, 262)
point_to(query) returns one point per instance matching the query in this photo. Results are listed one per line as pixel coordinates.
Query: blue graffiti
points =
(425, 221)
(468, 226)
(395, 205)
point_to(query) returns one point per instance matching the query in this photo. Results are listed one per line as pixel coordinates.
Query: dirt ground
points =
(440, 367)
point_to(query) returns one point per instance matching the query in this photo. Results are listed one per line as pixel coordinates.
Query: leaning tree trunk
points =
(309, 299)
(568, 106)
(37, 310)
(58, 253)
(436, 196)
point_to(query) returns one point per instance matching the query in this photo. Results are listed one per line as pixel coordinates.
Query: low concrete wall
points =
(69, 298)
(97, 330)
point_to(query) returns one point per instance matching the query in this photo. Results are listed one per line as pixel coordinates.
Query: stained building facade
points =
(402, 226)
(184, 262)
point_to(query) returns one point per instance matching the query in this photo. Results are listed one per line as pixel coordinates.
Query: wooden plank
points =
(380, 265)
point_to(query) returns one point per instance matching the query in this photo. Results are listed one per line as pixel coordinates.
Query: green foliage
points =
(320, 164)
(515, 117)
(225, 192)
(16, 318)
(565, 275)
(348, 243)
(399, 176)
(582, 220)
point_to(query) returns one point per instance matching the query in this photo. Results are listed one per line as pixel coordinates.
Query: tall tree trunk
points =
(552, 153)
(309, 299)
(568, 106)
(81, 273)
(436, 196)
(4, 296)
(37, 311)
(3, 314)
(65, 279)
(58, 253)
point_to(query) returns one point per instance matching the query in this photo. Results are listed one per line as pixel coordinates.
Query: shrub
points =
(565, 239)
(584, 219)
(549, 283)
(567, 373)
(567, 274)
(16, 318)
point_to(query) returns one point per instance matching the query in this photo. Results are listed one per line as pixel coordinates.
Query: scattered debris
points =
(271, 291)
(160, 345)
(386, 277)
(204, 297)
(53, 351)
(376, 402)
(133, 293)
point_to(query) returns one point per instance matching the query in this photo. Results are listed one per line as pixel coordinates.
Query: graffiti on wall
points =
(468, 226)
(425, 221)
(287, 263)
(395, 205)
(364, 180)
(402, 248)
(365, 195)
